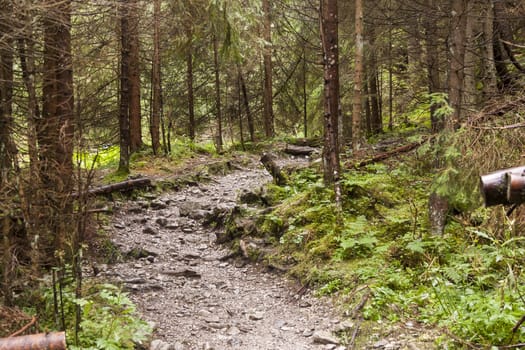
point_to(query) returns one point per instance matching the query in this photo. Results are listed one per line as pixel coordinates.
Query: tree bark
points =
(156, 103)
(490, 83)
(330, 45)
(56, 130)
(357, 130)
(267, 58)
(458, 26)
(191, 98)
(218, 106)
(135, 117)
(434, 85)
(251, 128)
(124, 88)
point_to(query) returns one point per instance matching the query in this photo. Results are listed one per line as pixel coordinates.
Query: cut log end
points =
(494, 187)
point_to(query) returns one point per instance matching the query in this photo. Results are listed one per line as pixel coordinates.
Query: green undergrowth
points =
(108, 317)
(378, 258)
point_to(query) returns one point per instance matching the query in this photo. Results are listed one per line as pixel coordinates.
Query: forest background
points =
(83, 79)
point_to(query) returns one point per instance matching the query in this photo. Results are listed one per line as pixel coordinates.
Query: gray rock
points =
(158, 205)
(256, 316)
(160, 345)
(162, 222)
(149, 231)
(321, 337)
(380, 344)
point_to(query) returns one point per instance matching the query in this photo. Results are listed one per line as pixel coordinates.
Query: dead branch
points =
(392, 153)
(25, 328)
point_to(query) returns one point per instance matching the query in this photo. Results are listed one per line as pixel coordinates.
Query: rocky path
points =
(196, 297)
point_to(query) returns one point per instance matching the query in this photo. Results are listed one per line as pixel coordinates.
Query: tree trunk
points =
(267, 58)
(458, 26)
(431, 42)
(305, 96)
(218, 107)
(376, 122)
(156, 103)
(56, 129)
(469, 98)
(191, 102)
(330, 45)
(135, 118)
(490, 83)
(251, 127)
(124, 88)
(357, 130)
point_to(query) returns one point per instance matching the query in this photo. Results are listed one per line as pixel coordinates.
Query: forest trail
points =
(198, 298)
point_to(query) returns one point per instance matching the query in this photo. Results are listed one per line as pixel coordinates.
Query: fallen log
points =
(299, 150)
(269, 162)
(42, 341)
(494, 186)
(389, 154)
(127, 185)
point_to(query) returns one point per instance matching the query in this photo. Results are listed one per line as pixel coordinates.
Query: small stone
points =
(330, 347)
(308, 333)
(256, 316)
(380, 344)
(321, 337)
(160, 345)
(151, 259)
(149, 230)
(162, 222)
(157, 205)
(234, 331)
(119, 226)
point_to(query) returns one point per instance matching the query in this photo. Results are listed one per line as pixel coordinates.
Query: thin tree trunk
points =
(490, 83)
(357, 132)
(376, 123)
(305, 96)
(124, 89)
(267, 58)
(191, 102)
(135, 118)
(458, 27)
(431, 40)
(251, 128)
(155, 82)
(239, 110)
(218, 106)
(469, 96)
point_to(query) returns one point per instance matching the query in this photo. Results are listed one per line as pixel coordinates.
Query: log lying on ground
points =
(269, 162)
(392, 153)
(127, 185)
(43, 341)
(299, 150)
(494, 186)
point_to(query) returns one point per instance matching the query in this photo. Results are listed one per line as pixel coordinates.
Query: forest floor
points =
(199, 296)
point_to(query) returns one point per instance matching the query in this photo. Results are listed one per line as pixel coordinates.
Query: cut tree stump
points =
(269, 162)
(42, 341)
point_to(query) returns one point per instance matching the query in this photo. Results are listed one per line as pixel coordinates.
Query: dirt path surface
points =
(196, 297)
